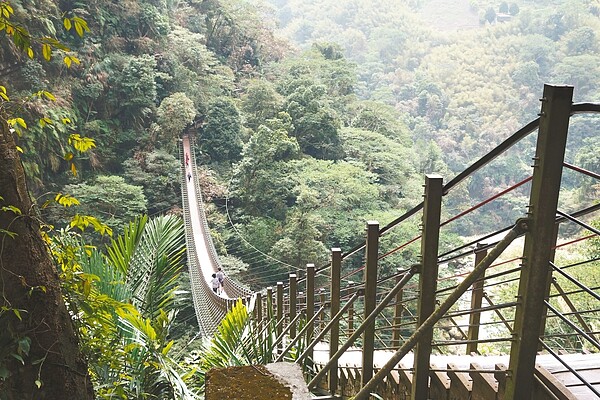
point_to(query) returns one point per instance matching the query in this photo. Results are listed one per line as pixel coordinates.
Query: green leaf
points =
(166, 349)
(17, 121)
(66, 200)
(49, 95)
(10, 208)
(45, 121)
(80, 25)
(47, 51)
(24, 345)
(67, 23)
(82, 144)
(8, 233)
(3, 91)
(18, 357)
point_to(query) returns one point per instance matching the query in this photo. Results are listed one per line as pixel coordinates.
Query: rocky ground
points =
(279, 381)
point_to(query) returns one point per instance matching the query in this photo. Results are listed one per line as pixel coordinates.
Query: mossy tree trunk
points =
(43, 335)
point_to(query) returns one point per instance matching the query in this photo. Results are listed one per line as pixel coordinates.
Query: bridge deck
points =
(587, 365)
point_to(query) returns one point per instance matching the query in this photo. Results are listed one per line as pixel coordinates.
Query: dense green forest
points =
(311, 117)
(341, 118)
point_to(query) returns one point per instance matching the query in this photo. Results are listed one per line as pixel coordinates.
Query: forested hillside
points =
(311, 117)
(301, 140)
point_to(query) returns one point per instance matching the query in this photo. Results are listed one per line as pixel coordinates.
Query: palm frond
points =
(156, 264)
(224, 348)
(121, 250)
(110, 280)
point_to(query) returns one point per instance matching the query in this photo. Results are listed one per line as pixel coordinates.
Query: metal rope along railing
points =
(383, 315)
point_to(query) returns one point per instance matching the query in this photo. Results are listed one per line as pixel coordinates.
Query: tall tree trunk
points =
(54, 362)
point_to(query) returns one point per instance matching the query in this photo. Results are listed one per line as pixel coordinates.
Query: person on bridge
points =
(189, 175)
(187, 159)
(214, 282)
(221, 278)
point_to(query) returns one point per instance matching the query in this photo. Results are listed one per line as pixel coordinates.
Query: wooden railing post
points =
(350, 315)
(322, 301)
(269, 312)
(258, 311)
(427, 282)
(476, 302)
(293, 299)
(269, 304)
(310, 308)
(279, 314)
(334, 335)
(370, 299)
(537, 250)
(548, 284)
(398, 314)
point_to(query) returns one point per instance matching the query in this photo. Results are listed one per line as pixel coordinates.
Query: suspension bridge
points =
(519, 319)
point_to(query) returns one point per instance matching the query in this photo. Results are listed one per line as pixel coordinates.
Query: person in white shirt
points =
(215, 283)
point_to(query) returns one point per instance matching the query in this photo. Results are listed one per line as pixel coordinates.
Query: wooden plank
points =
(439, 388)
(553, 384)
(460, 384)
(484, 386)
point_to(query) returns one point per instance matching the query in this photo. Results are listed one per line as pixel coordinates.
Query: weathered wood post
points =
(279, 308)
(293, 300)
(350, 317)
(370, 299)
(427, 281)
(322, 301)
(334, 334)
(310, 308)
(476, 302)
(258, 310)
(269, 311)
(549, 284)
(269, 306)
(537, 252)
(398, 313)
